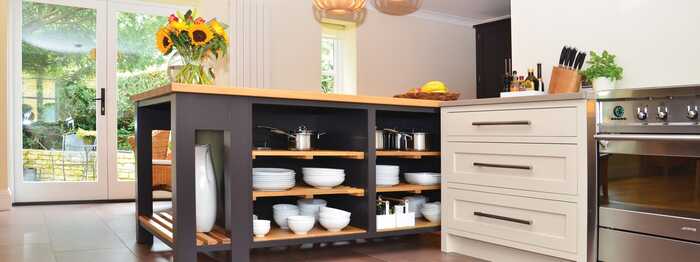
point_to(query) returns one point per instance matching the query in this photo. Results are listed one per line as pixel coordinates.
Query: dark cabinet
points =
(492, 49)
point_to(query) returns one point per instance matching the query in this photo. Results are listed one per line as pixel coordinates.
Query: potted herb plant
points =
(602, 70)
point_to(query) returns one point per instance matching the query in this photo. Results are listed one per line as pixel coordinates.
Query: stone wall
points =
(53, 165)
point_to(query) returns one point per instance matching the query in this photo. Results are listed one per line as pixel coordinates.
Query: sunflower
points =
(163, 41)
(217, 28)
(177, 26)
(200, 34)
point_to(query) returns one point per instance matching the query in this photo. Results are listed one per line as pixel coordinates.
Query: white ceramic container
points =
(205, 189)
(301, 225)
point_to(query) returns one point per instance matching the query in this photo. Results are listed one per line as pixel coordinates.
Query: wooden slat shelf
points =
(308, 154)
(310, 192)
(420, 223)
(277, 233)
(161, 224)
(403, 187)
(408, 154)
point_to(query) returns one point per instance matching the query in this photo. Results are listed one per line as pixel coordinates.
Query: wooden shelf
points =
(277, 233)
(161, 224)
(408, 154)
(420, 223)
(310, 192)
(308, 154)
(403, 187)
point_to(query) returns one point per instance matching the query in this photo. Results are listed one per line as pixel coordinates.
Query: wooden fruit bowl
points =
(430, 96)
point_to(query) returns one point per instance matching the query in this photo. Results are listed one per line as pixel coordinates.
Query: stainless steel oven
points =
(649, 174)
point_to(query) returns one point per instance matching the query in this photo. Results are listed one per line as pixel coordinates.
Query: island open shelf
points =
(421, 223)
(310, 192)
(308, 155)
(277, 233)
(161, 225)
(404, 187)
(408, 154)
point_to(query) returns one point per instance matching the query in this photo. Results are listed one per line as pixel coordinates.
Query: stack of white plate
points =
(424, 178)
(334, 220)
(431, 211)
(387, 175)
(324, 178)
(273, 179)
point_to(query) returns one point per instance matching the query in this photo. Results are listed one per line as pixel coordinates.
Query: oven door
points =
(650, 184)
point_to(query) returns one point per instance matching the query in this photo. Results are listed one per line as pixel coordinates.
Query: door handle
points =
(502, 166)
(102, 101)
(509, 219)
(502, 123)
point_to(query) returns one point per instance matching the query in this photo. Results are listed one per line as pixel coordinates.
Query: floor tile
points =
(26, 253)
(83, 237)
(23, 234)
(23, 215)
(113, 255)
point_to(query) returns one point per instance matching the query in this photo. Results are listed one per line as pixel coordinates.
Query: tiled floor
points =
(106, 233)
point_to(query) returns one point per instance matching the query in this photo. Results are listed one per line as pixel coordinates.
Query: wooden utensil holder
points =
(564, 80)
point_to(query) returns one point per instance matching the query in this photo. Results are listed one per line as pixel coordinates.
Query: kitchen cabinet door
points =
(492, 48)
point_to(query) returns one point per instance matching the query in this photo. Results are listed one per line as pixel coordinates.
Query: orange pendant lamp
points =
(351, 10)
(397, 7)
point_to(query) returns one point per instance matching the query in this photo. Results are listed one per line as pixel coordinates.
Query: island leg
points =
(183, 197)
(144, 193)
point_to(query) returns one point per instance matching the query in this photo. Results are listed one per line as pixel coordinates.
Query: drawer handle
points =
(502, 123)
(502, 166)
(509, 219)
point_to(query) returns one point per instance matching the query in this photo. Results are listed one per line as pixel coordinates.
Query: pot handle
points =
(277, 131)
(318, 136)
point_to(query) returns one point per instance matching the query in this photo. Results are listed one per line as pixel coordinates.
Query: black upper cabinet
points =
(492, 49)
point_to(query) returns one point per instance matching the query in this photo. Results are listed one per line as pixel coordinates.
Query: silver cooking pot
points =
(301, 138)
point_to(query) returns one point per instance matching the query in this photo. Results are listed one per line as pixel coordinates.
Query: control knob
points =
(642, 113)
(692, 113)
(662, 112)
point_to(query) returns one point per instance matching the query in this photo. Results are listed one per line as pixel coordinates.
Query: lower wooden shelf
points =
(420, 223)
(309, 154)
(403, 187)
(277, 233)
(407, 154)
(161, 225)
(310, 192)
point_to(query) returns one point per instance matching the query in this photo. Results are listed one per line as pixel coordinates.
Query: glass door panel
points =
(60, 121)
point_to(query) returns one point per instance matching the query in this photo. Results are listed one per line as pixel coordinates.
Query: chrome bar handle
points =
(509, 219)
(503, 123)
(502, 166)
(668, 138)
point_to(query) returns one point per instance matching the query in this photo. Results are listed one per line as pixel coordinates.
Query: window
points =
(338, 58)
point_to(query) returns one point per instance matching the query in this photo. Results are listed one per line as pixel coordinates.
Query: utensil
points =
(580, 60)
(398, 140)
(379, 139)
(572, 57)
(419, 141)
(562, 56)
(302, 136)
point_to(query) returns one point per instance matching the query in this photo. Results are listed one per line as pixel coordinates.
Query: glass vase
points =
(190, 70)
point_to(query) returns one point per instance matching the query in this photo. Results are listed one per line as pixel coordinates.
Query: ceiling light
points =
(397, 7)
(348, 10)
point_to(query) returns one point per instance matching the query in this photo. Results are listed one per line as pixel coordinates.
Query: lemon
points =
(434, 87)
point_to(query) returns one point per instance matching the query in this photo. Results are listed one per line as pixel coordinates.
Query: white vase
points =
(603, 83)
(205, 188)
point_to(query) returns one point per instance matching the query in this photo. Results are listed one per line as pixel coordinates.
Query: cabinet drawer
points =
(522, 122)
(547, 168)
(529, 221)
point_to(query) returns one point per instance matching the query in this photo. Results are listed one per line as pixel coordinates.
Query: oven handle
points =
(679, 138)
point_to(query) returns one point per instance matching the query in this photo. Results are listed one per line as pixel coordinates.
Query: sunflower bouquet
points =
(196, 42)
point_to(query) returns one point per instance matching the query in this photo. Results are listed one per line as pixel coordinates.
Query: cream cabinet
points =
(516, 180)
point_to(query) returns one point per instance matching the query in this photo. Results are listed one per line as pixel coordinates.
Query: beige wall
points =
(3, 91)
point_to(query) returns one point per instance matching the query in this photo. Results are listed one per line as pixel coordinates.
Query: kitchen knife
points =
(580, 63)
(572, 57)
(562, 57)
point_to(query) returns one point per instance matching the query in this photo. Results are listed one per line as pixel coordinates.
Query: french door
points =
(76, 64)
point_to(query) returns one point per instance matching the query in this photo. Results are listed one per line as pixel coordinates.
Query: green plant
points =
(602, 66)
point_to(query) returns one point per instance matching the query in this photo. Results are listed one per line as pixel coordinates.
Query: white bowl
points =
(432, 217)
(301, 225)
(261, 227)
(422, 178)
(323, 181)
(415, 204)
(316, 170)
(334, 224)
(330, 212)
(284, 207)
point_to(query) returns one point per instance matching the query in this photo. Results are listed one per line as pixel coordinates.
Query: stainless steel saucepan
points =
(302, 137)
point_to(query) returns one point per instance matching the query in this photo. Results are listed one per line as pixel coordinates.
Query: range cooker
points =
(648, 174)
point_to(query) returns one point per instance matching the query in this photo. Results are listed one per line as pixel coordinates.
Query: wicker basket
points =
(430, 96)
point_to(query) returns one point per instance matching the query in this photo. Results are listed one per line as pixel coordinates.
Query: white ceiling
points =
(477, 9)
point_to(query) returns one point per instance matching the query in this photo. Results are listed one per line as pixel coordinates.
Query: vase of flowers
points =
(195, 43)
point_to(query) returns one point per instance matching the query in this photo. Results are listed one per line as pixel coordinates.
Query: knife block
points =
(564, 80)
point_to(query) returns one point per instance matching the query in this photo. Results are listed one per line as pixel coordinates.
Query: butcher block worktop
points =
(283, 94)
(521, 99)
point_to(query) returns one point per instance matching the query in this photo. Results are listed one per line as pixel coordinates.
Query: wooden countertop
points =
(282, 94)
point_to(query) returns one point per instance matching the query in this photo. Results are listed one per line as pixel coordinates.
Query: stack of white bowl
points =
(281, 212)
(324, 178)
(333, 219)
(423, 178)
(311, 207)
(261, 227)
(415, 203)
(387, 175)
(301, 225)
(273, 179)
(431, 211)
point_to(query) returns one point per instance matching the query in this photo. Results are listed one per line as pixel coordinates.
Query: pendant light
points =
(348, 10)
(397, 7)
